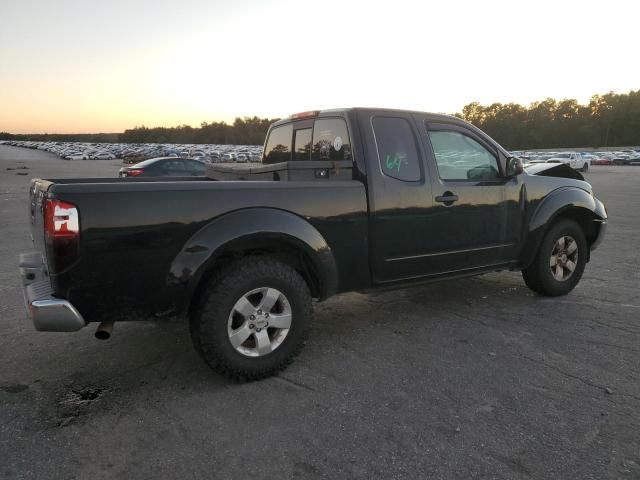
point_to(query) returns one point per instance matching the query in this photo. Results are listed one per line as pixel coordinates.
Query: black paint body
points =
(147, 243)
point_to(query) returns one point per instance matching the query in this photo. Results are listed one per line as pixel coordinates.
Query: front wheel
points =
(253, 319)
(560, 261)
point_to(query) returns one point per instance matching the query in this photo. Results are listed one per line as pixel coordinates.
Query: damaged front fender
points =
(559, 170)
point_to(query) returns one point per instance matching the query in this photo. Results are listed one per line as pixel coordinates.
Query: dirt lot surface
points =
(474, 378)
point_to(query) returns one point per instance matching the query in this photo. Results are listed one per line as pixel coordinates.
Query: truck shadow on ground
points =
(146, 361)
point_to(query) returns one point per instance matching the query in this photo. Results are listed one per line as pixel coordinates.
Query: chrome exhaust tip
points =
(103, 332)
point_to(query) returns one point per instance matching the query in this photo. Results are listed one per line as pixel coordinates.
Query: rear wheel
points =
(585, 167)
(253, 319)
(560, 261)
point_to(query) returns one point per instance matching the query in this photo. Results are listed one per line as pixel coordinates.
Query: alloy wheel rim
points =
(564, 258)
(259, 322)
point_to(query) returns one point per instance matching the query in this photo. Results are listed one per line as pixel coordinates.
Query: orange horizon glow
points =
(108, 67)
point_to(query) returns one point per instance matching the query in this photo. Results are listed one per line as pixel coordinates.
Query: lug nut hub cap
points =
(259, 322)
(564, 258)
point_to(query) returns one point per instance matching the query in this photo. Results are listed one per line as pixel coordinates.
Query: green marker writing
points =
(392, 162)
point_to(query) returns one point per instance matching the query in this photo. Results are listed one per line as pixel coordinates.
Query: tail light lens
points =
(61, 219)
(133, 173)
(62, 234)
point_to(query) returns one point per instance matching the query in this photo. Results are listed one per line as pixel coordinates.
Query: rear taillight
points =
(62, 234)
(133, 173)
(61, 219)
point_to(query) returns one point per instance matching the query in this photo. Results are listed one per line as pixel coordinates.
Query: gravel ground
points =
(473, 378)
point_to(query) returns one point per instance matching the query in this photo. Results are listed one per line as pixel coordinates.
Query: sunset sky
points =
(89, 66)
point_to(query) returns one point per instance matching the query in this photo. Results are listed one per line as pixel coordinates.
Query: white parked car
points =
(573, 159)
(76, 156)
(103, 156)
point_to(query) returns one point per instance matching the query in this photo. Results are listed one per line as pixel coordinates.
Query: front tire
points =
(560, 261)
(252, 319)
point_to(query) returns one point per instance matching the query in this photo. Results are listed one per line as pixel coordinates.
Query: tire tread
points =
(212, 305)
(535, 275)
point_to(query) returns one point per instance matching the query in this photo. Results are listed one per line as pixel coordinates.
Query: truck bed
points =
(132, 230)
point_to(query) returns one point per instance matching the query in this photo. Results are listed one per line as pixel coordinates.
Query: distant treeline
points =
(243, 131)
(63, 137)
(608, 120)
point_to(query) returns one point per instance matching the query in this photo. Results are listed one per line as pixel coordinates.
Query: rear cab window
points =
(302, 144)
(278, 146)
(330, 140)
(323, 139)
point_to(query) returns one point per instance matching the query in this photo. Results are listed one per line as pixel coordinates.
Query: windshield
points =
(563, 155)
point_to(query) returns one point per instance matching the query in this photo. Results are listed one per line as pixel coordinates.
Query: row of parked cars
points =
(69, 150)
(582, 160)
(135, 152)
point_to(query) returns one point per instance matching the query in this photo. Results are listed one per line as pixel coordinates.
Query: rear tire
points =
(560, 261)
(585, 167)
(252, 319)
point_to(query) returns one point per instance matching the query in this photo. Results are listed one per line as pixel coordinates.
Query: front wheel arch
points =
(585, 218)
(569, 203)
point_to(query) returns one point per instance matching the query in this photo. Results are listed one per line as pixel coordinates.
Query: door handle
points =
(447, 198)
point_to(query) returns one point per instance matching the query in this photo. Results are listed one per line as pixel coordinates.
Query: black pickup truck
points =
(345, 200)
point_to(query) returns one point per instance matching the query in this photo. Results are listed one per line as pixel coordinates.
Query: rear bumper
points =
(48, 313)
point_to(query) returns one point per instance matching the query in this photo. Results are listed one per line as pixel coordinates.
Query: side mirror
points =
(514, 167)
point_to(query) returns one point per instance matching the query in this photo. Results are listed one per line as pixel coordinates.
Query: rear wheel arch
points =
(256, 232)
(283, 248)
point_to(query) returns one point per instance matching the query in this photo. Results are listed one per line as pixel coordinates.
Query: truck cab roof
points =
(345, 111)
(352, 116)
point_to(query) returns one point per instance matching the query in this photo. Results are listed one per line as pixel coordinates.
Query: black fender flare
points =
(206, 245)
(558, 203)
